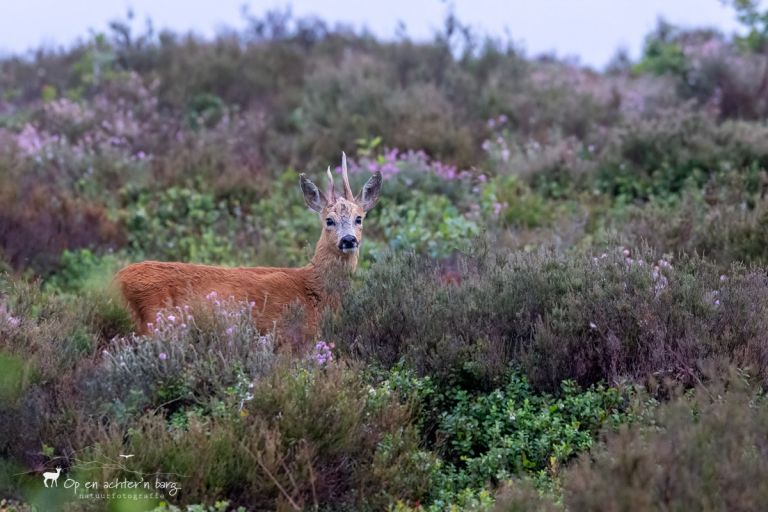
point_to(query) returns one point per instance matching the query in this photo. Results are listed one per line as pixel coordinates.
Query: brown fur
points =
(150, 286)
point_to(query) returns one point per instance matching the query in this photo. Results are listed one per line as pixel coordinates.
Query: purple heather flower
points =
(163, 356)
(323, 353)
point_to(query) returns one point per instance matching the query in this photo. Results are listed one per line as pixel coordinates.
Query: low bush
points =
(186, 361)
(306, 438)
(678, 149)
(522, 496)
(182, 224)
(38, 223)
(513, 431)
(713, 225)
(607, 318)
(705, 450)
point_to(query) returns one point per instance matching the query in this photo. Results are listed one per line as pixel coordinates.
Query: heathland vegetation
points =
(561, 301)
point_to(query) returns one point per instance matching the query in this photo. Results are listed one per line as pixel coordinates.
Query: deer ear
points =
(314, 199)
(370, 194)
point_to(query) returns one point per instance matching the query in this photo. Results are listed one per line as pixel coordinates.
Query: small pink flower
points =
(230, 331)
(163, 356)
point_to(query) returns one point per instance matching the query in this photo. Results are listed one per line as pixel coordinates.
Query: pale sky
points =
(591, 30)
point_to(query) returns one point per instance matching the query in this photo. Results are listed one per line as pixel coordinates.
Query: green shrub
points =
(181, 224)
(83, 270)
(512, 431)
(662, 53)
(704, 451)
(486, 438)
(306, 438)
(428, 225)
(678, 149)
(512, 202)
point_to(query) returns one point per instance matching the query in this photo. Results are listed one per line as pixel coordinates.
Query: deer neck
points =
(331, 271)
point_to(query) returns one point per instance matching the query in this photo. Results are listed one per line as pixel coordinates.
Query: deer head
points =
(341, 215)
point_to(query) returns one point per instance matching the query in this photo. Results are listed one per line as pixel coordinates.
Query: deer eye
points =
(358, 220)
(329, 222)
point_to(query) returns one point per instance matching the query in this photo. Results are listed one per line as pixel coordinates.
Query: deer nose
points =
(348, 242)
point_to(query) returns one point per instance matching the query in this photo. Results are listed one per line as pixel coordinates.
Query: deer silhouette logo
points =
(54, 477)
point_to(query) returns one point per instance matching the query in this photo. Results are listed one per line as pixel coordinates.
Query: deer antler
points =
(348, 195)
(331, 188)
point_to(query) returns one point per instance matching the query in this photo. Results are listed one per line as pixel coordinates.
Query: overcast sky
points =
(591, 30)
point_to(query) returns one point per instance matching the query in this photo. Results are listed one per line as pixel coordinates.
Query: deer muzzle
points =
(348, 243)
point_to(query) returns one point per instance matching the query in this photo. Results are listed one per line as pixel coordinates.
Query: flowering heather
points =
(30, 141)
(393, 162)
(7, 318)
(322, 353)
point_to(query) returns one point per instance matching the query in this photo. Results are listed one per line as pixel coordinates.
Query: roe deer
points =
(54, 477)
(150, 286)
